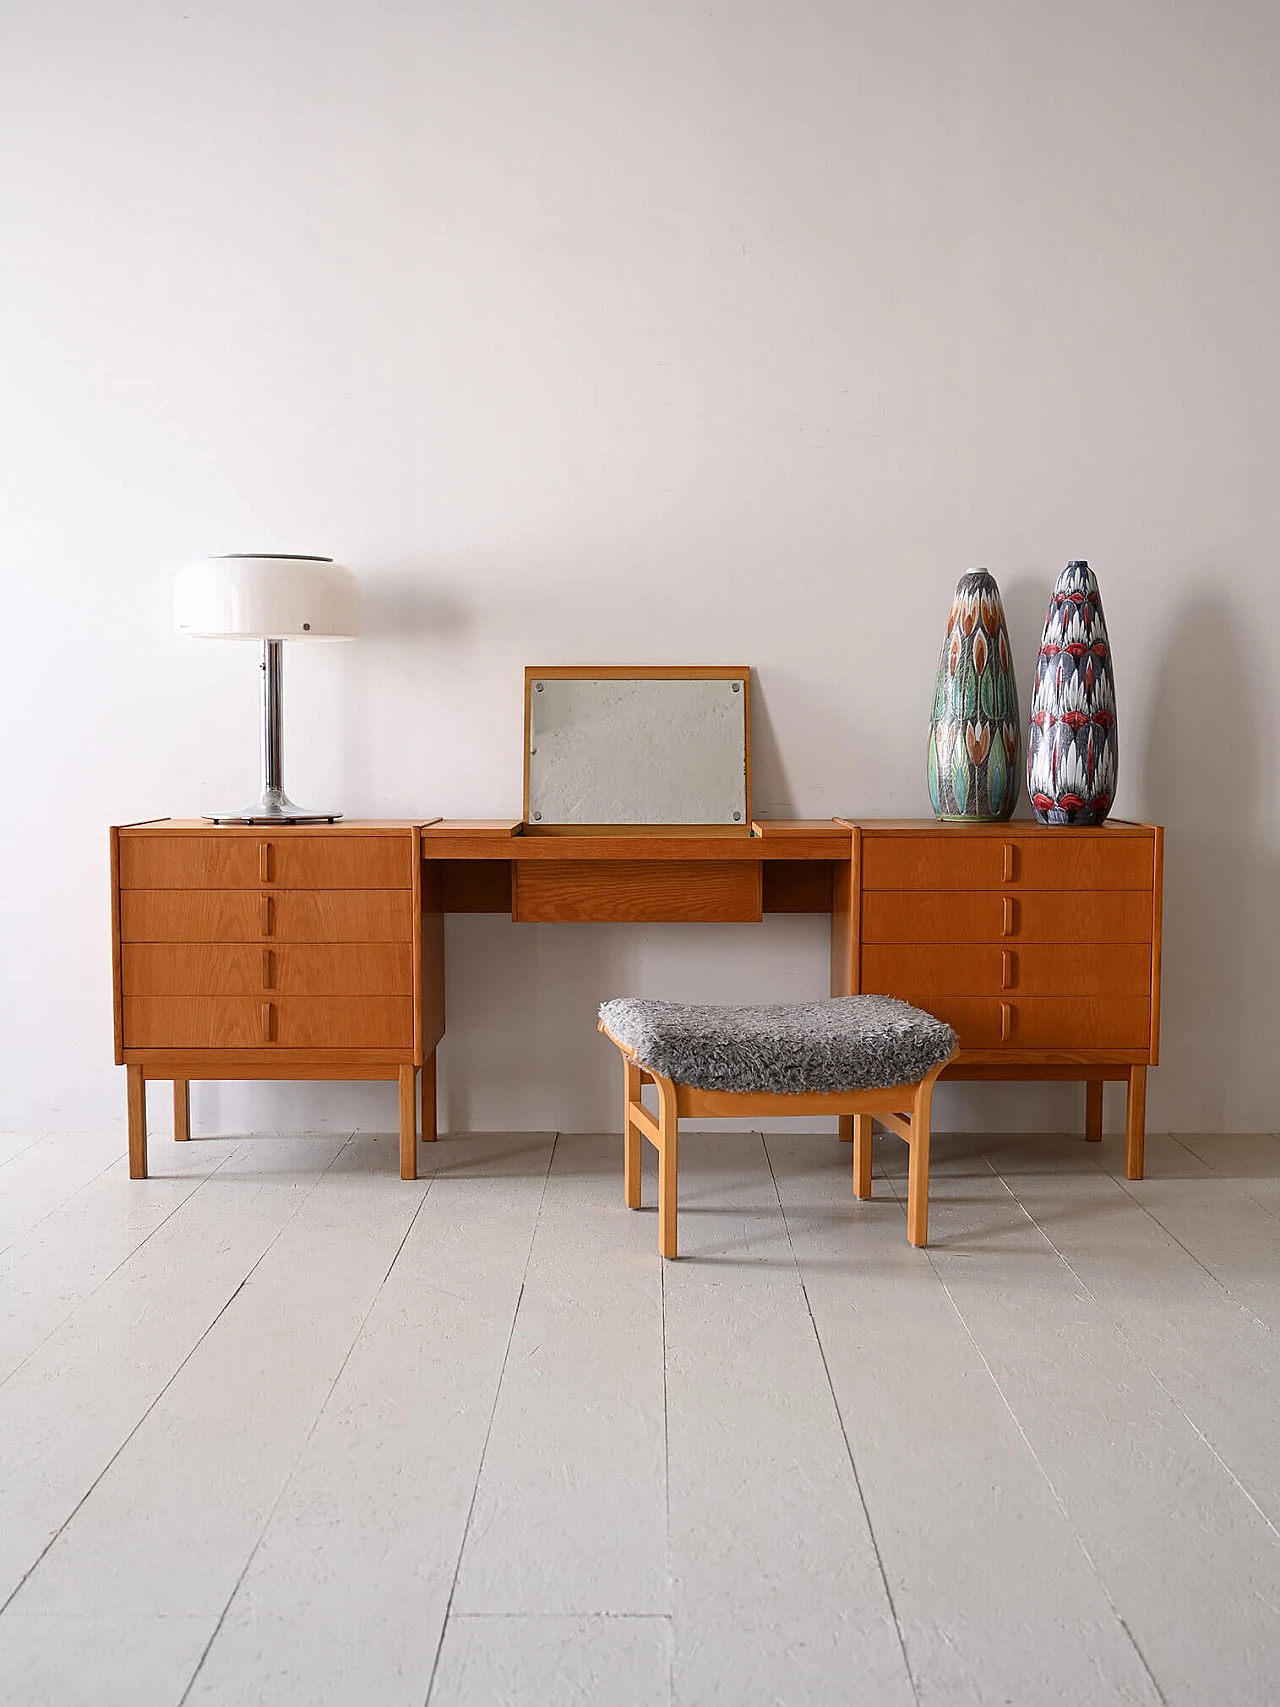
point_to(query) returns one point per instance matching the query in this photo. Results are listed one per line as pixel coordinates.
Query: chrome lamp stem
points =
(273, 805)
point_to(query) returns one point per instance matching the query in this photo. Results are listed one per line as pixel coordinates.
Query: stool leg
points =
(668, 1165)
(181, 1110)
(1093, 1110)
(918, 1165)
(137, 1093)
(862, 1124)
(846, 1128)
(630, 1135)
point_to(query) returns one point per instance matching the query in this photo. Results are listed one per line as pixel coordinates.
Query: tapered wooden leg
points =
(137, 1094)
(668, 1166)
(1135, 1123)
(846, 1128)
(409, 1122)
(918, 1165)
(429, 1117)
(1093, 1110)
(181, 1111)
(862, 1125)
(631, 1139)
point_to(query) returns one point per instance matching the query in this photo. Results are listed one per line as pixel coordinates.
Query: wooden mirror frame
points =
(640, 673)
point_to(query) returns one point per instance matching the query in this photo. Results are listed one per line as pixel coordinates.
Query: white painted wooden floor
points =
(277, 1428)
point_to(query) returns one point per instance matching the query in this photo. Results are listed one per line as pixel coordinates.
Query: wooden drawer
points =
(256, 862)
(239, 969)
(251, 1022)
(1069, 860)
(727, 891)
(1089, 969)
(968, 915)
(291, 915)
(1121, 1023)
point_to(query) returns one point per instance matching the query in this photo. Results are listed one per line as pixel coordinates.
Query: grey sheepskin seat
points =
(850, 1043)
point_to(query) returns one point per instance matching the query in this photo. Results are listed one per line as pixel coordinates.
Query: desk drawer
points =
(268, 861)
(725, 891)
(253, 1022)
(1121, 1023)
(240, 969)
(1069, 860)
(968, 915)
(1089, 969)
(291, 915)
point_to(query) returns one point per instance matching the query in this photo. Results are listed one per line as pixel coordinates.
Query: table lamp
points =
(271, 598)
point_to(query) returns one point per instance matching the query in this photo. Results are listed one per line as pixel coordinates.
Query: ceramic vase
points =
(1071, 743)
(975, 737)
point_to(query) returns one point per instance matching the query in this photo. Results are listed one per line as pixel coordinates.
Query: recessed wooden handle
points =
(1006, 1021)
(1009, 923)
(268, 970)
(265, 862)
(1008, 969)
(268, 1022)
(1009, 852)
(268, 915)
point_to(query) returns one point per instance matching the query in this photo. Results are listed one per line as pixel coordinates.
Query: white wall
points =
(631, 332)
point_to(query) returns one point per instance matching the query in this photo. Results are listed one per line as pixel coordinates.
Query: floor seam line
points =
(1227, 1179)
(38, 1138)
(493, 1411)
(1035, 1456)
(1217, 1279)
(62, 1321)
(1138, 1356)
(208, 1329)
(844, 1435)
(315, 1424)
(115, 1162)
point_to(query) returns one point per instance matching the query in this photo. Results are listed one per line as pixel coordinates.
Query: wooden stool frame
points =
(903, 1109)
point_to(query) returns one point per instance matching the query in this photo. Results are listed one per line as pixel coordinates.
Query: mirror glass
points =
(637, 751)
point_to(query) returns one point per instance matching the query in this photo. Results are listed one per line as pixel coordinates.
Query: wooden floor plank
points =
(73, 1404)
(98, 1662)
(41, 1177)
(554, 1662)
(996, 1598)
(169, 1526)
(1184, 1555)
(345, 1596)
(1214, 1358)
(58, 1264)
(1222, 1223)
(575, 1460)
(777, 1589)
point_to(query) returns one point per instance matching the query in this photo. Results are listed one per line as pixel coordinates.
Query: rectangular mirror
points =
(637, 746)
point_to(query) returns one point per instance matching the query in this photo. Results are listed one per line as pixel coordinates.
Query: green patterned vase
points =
(975, 737)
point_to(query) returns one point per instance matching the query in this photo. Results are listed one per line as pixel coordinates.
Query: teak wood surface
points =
(248, 951)
(241, 952)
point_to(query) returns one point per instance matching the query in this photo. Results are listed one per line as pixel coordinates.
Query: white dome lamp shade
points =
(270, 598)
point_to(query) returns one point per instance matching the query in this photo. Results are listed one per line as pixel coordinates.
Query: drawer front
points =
(1089, 969)
(968, 915)
(253, 862)
(1068, 861)
(291, 969)
(249, 1022)
(1046, 1022)
(293, 915)
(726, 891)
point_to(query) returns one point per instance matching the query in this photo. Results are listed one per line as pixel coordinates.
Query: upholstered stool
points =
(862, 1056)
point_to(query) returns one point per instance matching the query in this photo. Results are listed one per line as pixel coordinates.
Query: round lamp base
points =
(273, 806)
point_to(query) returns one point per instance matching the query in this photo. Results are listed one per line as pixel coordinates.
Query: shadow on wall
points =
(1203, 774)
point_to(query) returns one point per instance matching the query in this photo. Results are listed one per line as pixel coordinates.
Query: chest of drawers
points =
(1039, 946)
(291, 953)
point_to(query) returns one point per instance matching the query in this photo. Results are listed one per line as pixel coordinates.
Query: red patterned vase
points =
(1071, 744)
